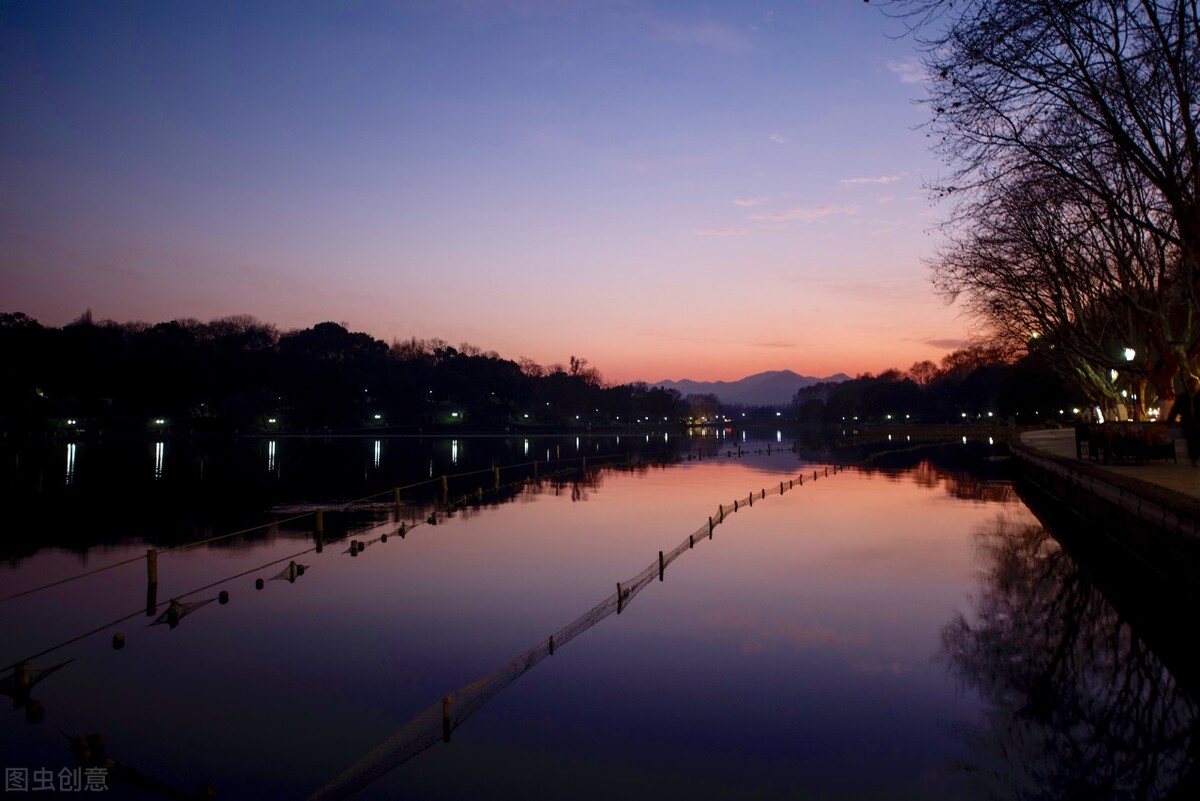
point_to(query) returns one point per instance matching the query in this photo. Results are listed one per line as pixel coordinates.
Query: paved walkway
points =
(1177, 477)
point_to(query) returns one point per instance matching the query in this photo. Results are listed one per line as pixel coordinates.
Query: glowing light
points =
(1113, 374)
(454, 451)
(1130, 353)
(271, 420)
(379, 417)
(159, 454)
(454, 414)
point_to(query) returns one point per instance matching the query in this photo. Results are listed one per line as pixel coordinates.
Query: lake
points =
(903, 627)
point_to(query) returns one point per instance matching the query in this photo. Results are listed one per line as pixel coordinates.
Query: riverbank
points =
(1152, 510)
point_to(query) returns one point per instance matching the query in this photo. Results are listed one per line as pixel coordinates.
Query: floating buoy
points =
(118, 641)
(383, 537)
(258, 584)
(223, 597)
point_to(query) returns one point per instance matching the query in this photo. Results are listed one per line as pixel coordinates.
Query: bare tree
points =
(1092, 106)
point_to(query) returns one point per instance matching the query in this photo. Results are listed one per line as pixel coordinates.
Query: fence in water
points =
(520, 475)
(440, 720)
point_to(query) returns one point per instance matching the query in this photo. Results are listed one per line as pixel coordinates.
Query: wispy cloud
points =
(909, 70)
(938, 342)
(778, 138)
(806, 213)
(749, 201)
(879, 179)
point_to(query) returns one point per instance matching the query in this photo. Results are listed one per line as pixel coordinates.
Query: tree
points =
(1089, 108)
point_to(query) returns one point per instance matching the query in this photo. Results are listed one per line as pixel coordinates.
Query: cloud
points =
(948, 342)
(807, 214)
(721, 232)
(775, 345)
(881, 179)
(749, 201)
(778, 138)
(910, 70)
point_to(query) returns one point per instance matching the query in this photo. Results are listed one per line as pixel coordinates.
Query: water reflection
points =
(1079, 705)
(159, 451)
(454, 451)
(70, 464)
(271, 456)
(378, 452)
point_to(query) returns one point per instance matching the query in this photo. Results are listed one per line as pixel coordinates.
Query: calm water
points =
(901, 632)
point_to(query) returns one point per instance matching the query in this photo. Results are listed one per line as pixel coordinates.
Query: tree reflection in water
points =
(1078, 706)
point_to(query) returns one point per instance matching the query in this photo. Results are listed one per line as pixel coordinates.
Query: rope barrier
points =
(341, 507)
(71, 578)
(426, 728)
(616, 602)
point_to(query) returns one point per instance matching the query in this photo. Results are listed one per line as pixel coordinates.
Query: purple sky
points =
(700, 190)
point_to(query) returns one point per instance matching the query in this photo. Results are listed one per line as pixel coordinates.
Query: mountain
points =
(772, 388)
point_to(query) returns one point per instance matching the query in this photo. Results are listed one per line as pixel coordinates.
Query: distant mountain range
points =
(772, 388)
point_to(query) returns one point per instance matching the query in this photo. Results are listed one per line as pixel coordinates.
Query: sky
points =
(670, 190)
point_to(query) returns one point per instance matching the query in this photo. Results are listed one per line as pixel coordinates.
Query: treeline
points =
(237, 373)
(972, 384)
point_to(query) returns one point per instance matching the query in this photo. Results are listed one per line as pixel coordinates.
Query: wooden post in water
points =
(620, 598)
(446, 719)
(662, 565)
(551, 645)
(396, 498)
(497, 487)
(23, 680)
(445, 491)
(292, 571)
(710, 526)
(151, 582)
